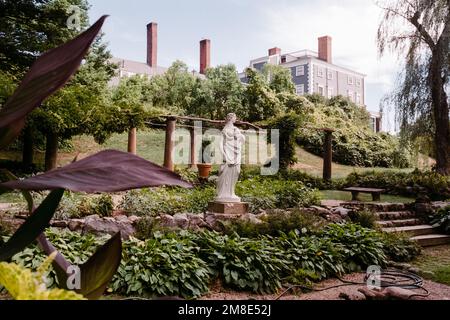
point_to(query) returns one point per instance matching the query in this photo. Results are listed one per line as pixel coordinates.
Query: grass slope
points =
(313, 165)
(437, 260)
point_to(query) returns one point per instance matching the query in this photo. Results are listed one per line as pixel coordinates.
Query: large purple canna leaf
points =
(49, 73)
(95, 273)
(105, 171)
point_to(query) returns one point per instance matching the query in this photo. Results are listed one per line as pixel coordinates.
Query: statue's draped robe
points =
(231, 147)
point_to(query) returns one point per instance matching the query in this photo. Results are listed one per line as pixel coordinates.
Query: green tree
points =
(419, 30)
(30, 27)
(219, 94)
(34, 27)
(279, 78)
(260, 100)
(173, 89)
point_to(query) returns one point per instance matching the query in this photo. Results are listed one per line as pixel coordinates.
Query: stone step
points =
(394, 215)
(377, 206)
(398, 223)
(432, 239)
(418, 230)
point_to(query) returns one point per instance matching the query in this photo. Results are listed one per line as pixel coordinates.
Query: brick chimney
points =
(274, 51)
(325, 48)
(152, 44)
(205, 55)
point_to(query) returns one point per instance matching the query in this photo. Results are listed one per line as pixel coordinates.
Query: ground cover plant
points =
(261, 193)
(186, 263)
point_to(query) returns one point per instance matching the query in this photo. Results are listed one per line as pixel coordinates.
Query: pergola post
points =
(168, 149)
(192, 154)
(132, 140)
(327, 154)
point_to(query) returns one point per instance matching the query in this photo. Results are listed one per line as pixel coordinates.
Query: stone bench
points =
(376, 193)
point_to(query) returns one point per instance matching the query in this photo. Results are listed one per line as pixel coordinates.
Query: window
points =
(350, 95)
(330, 92)
(300, 70)
(320, 90)
(330, 75)
(358, 82)
(358, 98)
(349, 80)
(300, 89)
(319, 72)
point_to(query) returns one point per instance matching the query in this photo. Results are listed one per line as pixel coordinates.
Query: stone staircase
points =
(396, 217)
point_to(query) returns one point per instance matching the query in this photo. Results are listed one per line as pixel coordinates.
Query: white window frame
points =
(358, 82)
(350, 95)
(323, 90)
(330, 75)
(330, 92)
(300, 89)
(350, 80)
(358, 99)
(300, 70)
(320, 72)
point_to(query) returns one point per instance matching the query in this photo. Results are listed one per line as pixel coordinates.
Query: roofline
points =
(311, 57)
(337, 66)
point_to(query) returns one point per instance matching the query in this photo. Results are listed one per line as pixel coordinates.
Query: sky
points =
(241, 30)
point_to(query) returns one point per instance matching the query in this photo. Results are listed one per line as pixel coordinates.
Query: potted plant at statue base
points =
(204, 168)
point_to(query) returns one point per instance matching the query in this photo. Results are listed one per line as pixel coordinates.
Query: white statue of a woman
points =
(230, 146)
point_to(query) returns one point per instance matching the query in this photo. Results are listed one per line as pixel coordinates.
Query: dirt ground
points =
(436, 291)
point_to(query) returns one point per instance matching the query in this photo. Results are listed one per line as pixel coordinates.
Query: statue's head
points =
(231, 117)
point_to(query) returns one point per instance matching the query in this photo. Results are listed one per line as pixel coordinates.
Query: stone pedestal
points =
(237, 208)
(224, 212)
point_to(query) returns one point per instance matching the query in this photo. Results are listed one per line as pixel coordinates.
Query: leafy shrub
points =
(187, 174)
(277, 222)
(145, 227)
(6, 228)
(103, 205)
(365, 218)
(309, 180)
(261, 193)
(354, 143)
(74, 206)
(167, 200)
(441, 219)
(431, 184)
(163, 265)
(317, 255)
(288, 126)
(245, 264)
(267, 193)
(399, 247)
(360, 247)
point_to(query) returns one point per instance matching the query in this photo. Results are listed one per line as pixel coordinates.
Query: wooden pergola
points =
(171, 123)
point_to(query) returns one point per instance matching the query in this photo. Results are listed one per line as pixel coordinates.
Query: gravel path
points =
(437, 292)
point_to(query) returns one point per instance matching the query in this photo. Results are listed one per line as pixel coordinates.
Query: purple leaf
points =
(100, 268)
(48, 73)
(105, 171)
